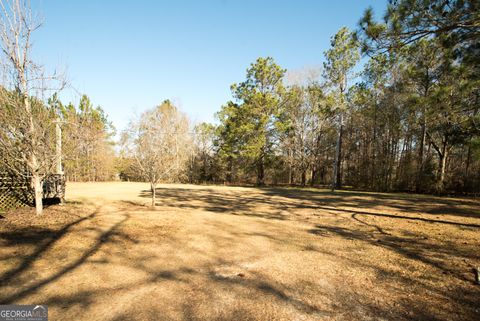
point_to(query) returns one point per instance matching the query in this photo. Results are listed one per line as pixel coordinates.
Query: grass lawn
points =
(231, 253)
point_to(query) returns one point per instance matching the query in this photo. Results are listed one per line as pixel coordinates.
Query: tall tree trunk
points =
(339, 164)
(290, 174)
(33, 161)
(229, 176)
(154, 193)
(205, 168)
(304, 177)
(336, 183)
(441, 170)
(373, 180)
(291, 168)
(314, 176)
(442, 152)
(466, 180)
(421, 149)
(260, 172)
(38, 193)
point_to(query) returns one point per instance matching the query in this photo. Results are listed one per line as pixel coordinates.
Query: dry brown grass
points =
(225, 253)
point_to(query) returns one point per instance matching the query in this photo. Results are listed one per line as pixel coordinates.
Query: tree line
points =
(394, 108)
(403, 118)
(406, 119)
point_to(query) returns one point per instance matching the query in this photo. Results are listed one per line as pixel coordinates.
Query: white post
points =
(58, 148)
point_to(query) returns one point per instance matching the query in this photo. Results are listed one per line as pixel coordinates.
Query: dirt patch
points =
(231, 253)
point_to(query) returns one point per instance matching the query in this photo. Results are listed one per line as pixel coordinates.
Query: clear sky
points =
(129, 56)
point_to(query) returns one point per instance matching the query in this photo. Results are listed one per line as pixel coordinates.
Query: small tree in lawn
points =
(160, 143)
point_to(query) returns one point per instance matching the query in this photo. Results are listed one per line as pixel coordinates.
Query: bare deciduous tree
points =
(203, 152)
(27, 125)
(306, 117)
(160, 142)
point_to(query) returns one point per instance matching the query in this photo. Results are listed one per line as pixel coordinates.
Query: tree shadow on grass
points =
(46, 239)
(396, 216)
(462, 207)
(416, 249)
(43, 238)
(282, 203)
(256, 286)
(218, 202)
(429, 266)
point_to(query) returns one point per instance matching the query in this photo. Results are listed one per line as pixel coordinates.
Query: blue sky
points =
(129, 56)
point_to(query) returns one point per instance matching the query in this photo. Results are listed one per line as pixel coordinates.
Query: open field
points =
(231, 253)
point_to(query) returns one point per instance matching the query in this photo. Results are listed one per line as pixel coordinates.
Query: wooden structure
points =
(16, 191)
